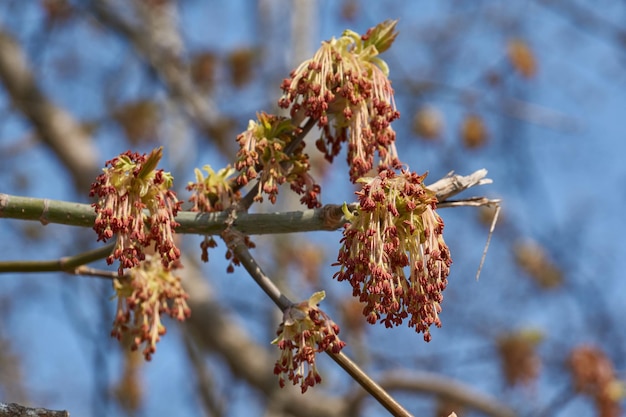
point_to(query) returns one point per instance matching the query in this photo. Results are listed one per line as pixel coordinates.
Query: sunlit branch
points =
(245, 358)
(329, 217)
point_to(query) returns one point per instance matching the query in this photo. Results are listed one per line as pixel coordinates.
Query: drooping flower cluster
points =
(393, 253)
(345, 87)
(146, 292)
(305, 331)
(130, 184)
(265, 146)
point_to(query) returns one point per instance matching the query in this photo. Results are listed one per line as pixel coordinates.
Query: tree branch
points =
(351, 368)
(70, 264)
(329, 217)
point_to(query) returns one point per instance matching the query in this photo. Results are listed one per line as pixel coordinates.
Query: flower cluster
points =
(395, 228)
(519, 357)
(345, 88)
(305, 331)
(266, 146)
(142, 296)
(593, 374)
(213, 192)
(130, 185)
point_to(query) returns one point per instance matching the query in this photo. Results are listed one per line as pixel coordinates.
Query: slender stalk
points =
(71, 264)
(369, 385)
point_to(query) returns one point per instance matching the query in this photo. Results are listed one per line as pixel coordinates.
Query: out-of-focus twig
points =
(214, 331)
(162, 57)
(56, 127)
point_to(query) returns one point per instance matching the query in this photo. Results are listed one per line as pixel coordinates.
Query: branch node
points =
(43, 218)
(332, 216)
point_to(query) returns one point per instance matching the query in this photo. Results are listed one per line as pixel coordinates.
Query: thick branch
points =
(329, 217)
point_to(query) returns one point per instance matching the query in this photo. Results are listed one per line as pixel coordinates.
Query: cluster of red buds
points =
(393, 253)
(305, 331)
(129, 187)
(593, 374)
(213, 192)
(146, 292)
(345, 87)
(265, 146)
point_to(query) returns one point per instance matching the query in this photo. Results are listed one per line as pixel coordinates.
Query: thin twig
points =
(205, 382)
(443, 387)
(491, 229)
(234, 240)
(98, 273)
(469, 202)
